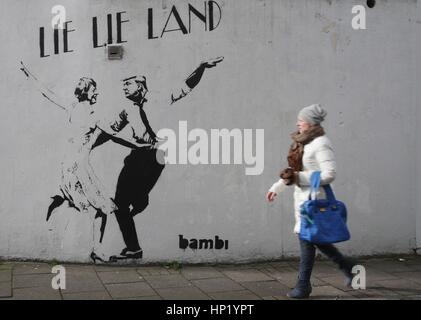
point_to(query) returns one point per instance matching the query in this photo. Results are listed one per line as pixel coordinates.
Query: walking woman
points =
(310, 151)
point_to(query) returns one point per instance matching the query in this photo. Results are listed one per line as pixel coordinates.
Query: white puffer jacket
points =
(318, 156)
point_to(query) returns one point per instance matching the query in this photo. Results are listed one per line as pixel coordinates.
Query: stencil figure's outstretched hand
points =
(212, 62)
(193, 79)
(24, 69)
(43, 89)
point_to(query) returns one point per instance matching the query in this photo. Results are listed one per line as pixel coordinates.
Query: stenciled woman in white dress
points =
(80, 186)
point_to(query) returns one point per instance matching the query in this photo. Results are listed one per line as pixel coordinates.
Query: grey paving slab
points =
(81, 268)
(283, 264)
(106, 268)
(401, 286)
(82, 281)
(347, 297)
(387, 278)
(389, 266)
(217, 285)
(414, 267)
(94, 295)
(130, 290)
(258, 265)
(413, 261)
(120, 276)
(358, 294)
(32, 280)
(373, 274)
(328, 292)
(337, 281)
(37, 293)
(6, 265)
(142, 298)
(152, 271)
(286, 275)
(234, 295)
(194, 273)
(5, 289)
(267, 288)
(223, 267)
(378, 298)
(316, 282)
(321, 270)
(31, 268)
(174, 271)
(376, 293)
(167, 281)
(412, 276)
(184, 293)
(247, 275)
(5, 275)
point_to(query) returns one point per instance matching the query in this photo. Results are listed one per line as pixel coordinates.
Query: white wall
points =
(279, 56)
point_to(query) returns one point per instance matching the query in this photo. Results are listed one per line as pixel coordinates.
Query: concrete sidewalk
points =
(397, 277)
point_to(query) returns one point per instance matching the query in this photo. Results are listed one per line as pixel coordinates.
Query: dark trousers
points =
(140, 173)
(308, 254)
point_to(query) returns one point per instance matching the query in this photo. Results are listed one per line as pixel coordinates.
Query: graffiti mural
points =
(87, 130)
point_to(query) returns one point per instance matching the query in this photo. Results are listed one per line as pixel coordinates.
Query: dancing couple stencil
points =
(87, 129)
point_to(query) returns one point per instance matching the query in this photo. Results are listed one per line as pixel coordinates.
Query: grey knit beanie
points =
(313, 114)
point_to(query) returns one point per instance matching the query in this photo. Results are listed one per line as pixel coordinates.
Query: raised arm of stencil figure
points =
(194, 79)
(43, 89)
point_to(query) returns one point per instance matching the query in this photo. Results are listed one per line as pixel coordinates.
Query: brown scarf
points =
(296, 151)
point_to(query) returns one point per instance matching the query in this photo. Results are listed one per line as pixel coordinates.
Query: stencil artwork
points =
(80, 187)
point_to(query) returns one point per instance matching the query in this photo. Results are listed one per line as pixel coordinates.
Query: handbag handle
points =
(315, 186)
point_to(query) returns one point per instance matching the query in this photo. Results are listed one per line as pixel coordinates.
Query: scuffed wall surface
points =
(279, 57)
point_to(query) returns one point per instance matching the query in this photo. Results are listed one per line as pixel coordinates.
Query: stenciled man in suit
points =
(141, 168)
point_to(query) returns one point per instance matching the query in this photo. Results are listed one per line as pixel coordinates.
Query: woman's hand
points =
(212, 62)
(270, 196)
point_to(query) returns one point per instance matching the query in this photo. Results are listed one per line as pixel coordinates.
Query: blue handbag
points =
(323, 221)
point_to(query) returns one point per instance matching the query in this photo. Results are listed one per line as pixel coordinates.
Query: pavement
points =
(395, 278)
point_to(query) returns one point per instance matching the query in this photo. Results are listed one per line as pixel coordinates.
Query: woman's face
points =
(92, 94)
(303, 126)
